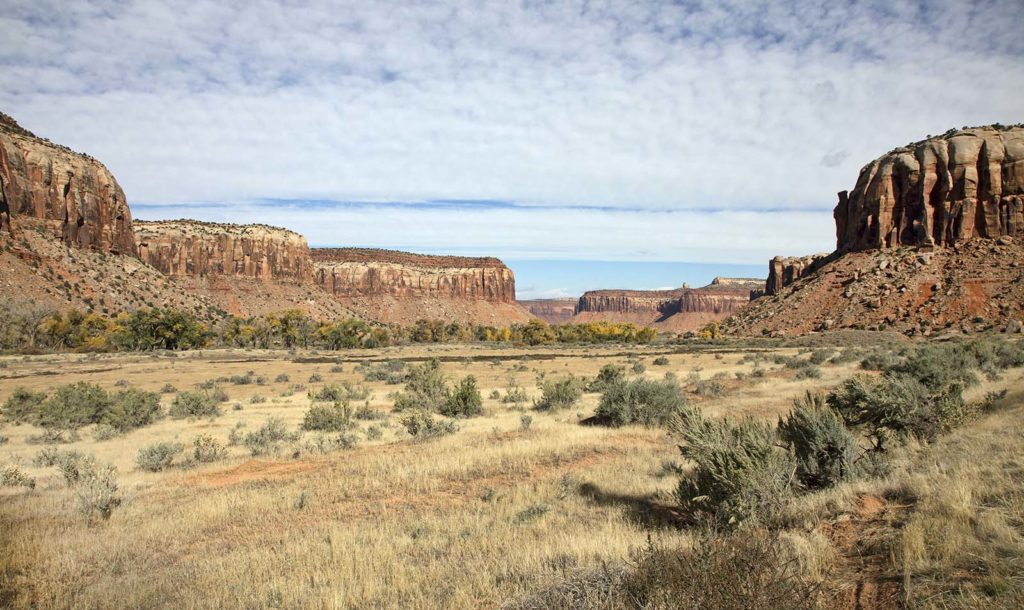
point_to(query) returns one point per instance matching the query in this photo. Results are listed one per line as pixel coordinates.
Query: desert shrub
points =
(218, 395)
(749, 570)
(389, 372)
(514, 393)
(740, 473)
(131, 409)
(257, 399)
(893, 408)
(639, 367)
(559, 393)
(104, 432)
(96, 490)
(425, 388)
(241, 379)
(194, 404)
(374, 433)
(820, 356)
(608, 375)
(640, 401)
(422, 425)
(23, 406)
(464, 401)
(342, 392)
(334, 417)
(158, 456)
(12, 476)
(525, 421)
(205, 448)
(709, 388)
(168, 389)
(73, 406)
(660, 361)
(337, 368)
(282, 378)
(267, 439)
(315, 378)
(52, 436)
(824, 448)
(366, 412)
(121, 383)
(808, 372)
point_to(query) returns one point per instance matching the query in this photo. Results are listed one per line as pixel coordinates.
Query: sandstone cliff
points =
(399, 287)
(680, 309)
(929, 238)
(74, 195)
(356, 272)
(181, 248)
(940, 191)
(552, 311)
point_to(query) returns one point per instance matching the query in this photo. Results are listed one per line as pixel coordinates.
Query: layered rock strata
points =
(189, 248)
(74, 195)
(359, 272)
(552, 311)
(783, 271)
(937, 192)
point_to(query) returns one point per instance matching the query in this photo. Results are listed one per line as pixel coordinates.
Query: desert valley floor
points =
(515, 501)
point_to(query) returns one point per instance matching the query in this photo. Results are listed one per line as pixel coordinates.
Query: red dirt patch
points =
(252, 470)
(860, 540)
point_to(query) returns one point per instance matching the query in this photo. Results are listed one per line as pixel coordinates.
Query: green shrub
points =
(525, 421)
(808, 372)
(105, 432)
(12, 476)
(194, 404)
(266, 440)
(514, 393)
(257, 399)
(158, 456)
(608, 375)
(131, 409)
(464, 401)
(425, 388)
(73, 406)
(740, 473)
(23, 406)
(389, 372)
(205, 448)
(893, 408)
(640, 401)
(709, 388)
(660, 361)
(559, 394)
(374, 433)
(343, 392)
(168, 389)
(328, 418)
(282, 378)
(824, 448)
(422, 425)
(96, 490)
(639, 367)
(820, 356)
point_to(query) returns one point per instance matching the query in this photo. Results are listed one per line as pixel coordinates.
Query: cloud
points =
(646, 106)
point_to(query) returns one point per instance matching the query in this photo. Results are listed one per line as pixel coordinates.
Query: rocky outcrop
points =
(658, 302)
(784, 271)
(189, 248)
(359, 272)
(723, 296)
(74, 195)
(552, 311)
(938, 192)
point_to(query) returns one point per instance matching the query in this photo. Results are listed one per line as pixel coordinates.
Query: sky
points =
(678, 140)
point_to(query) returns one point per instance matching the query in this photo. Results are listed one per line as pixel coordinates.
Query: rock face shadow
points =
(643, 509)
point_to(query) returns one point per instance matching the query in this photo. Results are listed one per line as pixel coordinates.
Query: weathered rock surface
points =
(680, 309)
(784, 271)
(552, 311)
(929, 240)
(358, 272)
(938, 192)
(79, 201)
(189, 248)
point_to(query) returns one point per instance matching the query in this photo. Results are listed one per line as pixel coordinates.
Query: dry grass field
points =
(496, 511)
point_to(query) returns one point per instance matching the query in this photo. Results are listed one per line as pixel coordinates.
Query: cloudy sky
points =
(711, 133)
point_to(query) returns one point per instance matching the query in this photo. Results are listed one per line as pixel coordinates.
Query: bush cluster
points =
(640, 401)
(199, 403)
(559, 394)
(79, 404)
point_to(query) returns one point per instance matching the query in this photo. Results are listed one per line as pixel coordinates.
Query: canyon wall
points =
(358, 272)
(653, 302)
(937, 192)
(552, 311)
(783, 271)
(189, 248)
(74, 195)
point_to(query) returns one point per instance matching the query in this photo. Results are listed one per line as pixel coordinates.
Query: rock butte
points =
(929, 239)
(74, 195)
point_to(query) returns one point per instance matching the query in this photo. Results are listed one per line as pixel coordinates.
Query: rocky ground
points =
(975, 286)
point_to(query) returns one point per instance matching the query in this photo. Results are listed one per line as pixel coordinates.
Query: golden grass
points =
(469, 520)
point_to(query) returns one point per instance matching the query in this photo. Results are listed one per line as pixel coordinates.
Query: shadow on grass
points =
(644, 510)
